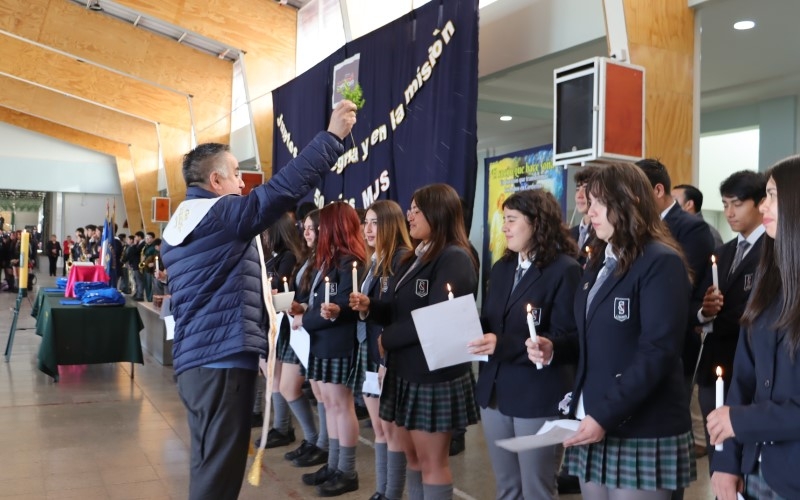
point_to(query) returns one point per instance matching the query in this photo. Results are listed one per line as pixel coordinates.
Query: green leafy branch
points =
(352, 93)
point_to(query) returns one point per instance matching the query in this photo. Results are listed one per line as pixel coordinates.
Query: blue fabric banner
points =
(419, 76)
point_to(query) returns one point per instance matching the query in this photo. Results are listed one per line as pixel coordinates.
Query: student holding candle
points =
(722, 304)
(538, 270)
(332, 327)
(758, 425)
(631, 310)
(425, 406)
(582, 233)
(388, 242)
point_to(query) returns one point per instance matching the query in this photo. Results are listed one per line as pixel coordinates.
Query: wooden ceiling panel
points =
(76, 114)
(22, 18)
(130, 194)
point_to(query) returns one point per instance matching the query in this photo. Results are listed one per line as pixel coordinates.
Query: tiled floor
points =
(98, 434)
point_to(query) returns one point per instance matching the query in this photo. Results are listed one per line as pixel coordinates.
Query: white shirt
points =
(664, 213)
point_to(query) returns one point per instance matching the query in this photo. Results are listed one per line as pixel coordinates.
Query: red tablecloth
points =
(84, 273)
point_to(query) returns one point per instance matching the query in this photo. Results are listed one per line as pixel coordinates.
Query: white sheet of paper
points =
(371, 384)
(444, 329)
(301, 344)
(169, 323)
(551, 433)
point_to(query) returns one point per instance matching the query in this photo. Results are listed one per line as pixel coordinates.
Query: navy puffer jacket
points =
(215, 275)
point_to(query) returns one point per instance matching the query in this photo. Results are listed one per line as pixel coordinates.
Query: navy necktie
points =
(608, 268)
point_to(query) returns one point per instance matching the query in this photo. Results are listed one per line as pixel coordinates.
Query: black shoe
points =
(568, 485)
(276, 438)
(304, 448)
(257, 420)
(319, 477)
(378, 496)
(457, 445)
(314, 457)
(339, 484)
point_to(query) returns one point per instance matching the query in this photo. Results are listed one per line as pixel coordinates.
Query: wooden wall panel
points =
(130, 195)
(661, 38)
(76, 114)
(145, 170)
(174, 144)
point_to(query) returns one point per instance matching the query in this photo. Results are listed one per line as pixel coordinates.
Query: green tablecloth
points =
(79, 335)
(40, 296)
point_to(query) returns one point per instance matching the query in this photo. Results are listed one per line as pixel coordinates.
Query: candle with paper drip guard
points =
(449, 292)
(327, 290)
(355, 276)
(714, 273)
(285, 285)
(720, 396)
(532, 330)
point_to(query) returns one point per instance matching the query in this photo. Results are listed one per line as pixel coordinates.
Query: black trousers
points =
(53, 261)
(218, 405)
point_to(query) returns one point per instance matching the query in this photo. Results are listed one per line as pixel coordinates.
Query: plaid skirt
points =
(332, 370)
(359, 374)
(640, 464)
(755, 488)
(284, 351)
(440, 407)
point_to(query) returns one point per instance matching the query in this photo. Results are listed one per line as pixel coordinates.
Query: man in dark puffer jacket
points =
(215, 281)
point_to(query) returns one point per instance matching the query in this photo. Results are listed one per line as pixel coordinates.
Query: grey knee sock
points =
(333, 454)
(395, 474)
(280, 408)
(302, 412)
(347, 458)
(438, 491)
(414, 480)
(322, 440)
(381, 451)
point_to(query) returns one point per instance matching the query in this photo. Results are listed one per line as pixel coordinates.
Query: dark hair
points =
(156, 241)
(339, 235)
(441, 207)
(691, 193)
(140, 234)
(779, 266)
(151, 234)
(745, 185)
(392, 234)
(80, 231)
(91, 227)
(550, 236)
(583, 175)
(201, 161)
(304, 209)
(628, 196)
(308, 273)
(121, 236)
(656, 173)
(282, 236)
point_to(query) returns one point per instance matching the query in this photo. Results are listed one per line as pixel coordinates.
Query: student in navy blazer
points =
(388, 242)
(538, 270)
(332, 328)
(758, 425)
(426, 406)
(718, 312)
(582, 233)
(631, 311)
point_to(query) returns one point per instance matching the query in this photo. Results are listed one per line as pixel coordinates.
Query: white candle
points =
(285, 285)
(532, 330)
(449, 292)
(355, 276)
(327, 290)
(714, 273)
(720, 393)
(156, 262)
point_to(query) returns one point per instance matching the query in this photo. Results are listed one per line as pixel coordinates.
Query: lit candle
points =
(156, 262)
(327, 290)
(588, 251)
(355, 276)
(449, 292)
(532, 330)
(714, 273)
(720, 392)
(285, 285)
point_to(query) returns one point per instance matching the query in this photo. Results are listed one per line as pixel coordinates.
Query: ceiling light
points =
(94, 5)
(744, 25)
(506, 118)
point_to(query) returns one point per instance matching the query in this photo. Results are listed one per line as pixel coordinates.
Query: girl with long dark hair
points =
(758, 425)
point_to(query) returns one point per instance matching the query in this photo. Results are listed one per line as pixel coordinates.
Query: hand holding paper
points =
(445, 329)
(551, 433)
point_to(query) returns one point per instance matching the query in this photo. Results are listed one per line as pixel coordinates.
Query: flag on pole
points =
(106, 253)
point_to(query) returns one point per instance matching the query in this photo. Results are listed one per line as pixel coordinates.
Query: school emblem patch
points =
(537, 316)
(422, 288)
(748, 282)
(622, 309)
(334, 287)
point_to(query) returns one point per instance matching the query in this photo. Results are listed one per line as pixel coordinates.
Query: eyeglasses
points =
(412, 212)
